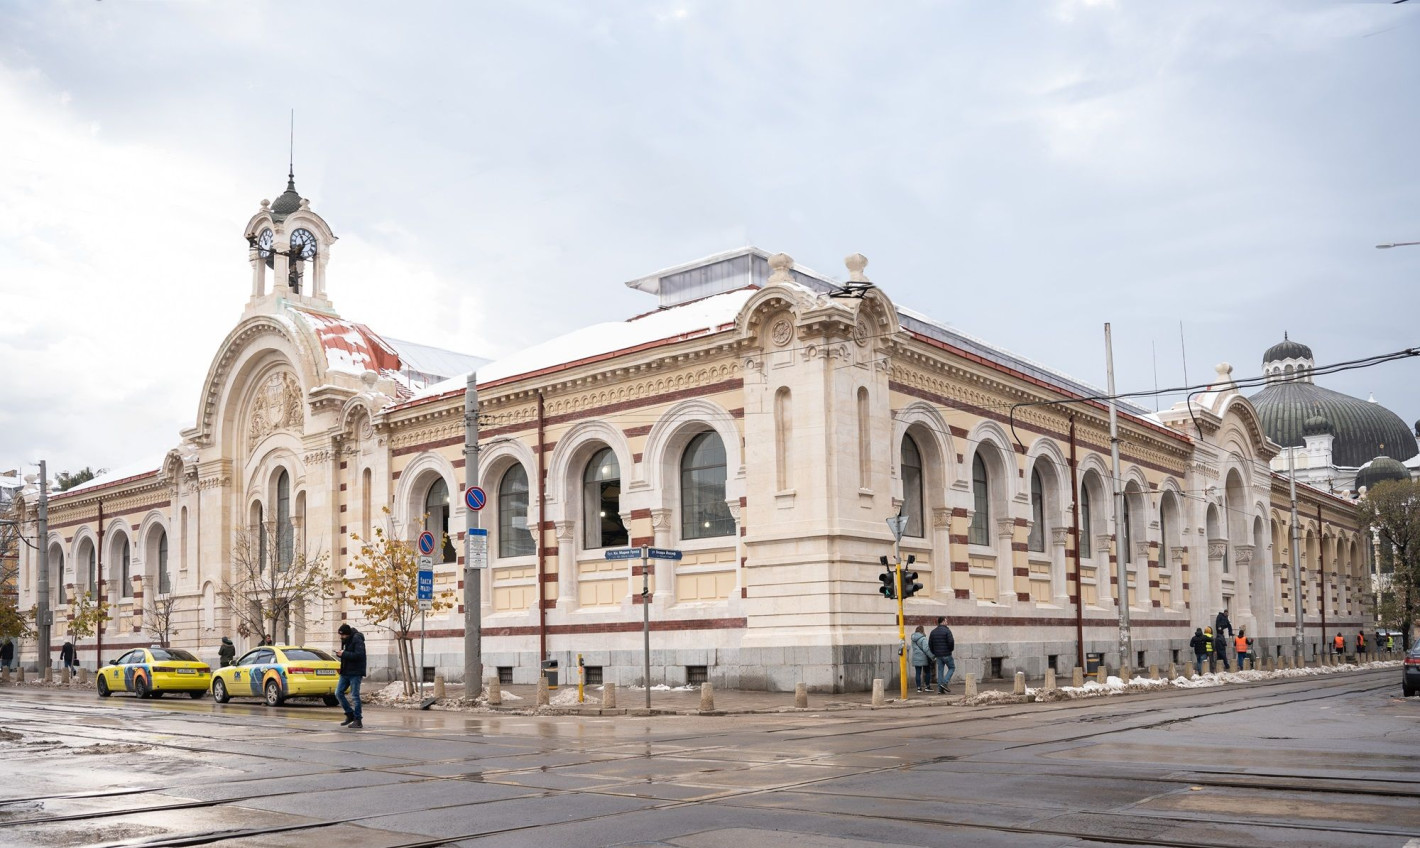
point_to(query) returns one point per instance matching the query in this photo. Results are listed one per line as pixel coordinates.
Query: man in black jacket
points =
(1199, 644)
(1220, 645)
(941, 644)
(352, 669)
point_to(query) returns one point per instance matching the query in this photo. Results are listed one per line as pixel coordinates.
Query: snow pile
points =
(1116, 686)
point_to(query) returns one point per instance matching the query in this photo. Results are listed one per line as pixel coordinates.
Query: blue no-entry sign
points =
(475, 498)
(426, 543)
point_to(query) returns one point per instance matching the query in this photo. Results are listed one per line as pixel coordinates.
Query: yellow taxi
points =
(278, 672)
(154, 672)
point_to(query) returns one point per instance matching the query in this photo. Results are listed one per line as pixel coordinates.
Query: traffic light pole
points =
(901, 624)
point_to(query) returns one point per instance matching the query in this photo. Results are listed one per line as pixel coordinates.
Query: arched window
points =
(703, 511)
(436, 511)
(125, 569)
(1086, 528)
(259, 513)
(164, 582)
(1126, 544)
(601, 502)
(92, 586)
(1036, 540)
(514, 540)
(365, 504)
(57, 557)
(979, 532)
(912, 488)
(285, 542)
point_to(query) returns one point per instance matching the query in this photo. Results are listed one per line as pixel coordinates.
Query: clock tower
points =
(289, 248)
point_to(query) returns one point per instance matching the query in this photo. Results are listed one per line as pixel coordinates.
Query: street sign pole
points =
(646, 621)
(425, 595)
(473, 579)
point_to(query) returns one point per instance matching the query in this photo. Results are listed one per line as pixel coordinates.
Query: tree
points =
(88, 616)
(66, 481)
(13, 623)
(158, 619)
(1392, 510)
(388, 592)
(272, 577)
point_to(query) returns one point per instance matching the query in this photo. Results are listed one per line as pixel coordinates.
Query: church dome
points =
(1317, 425)
(1286, 349)
(1362, 430)
(1379, 470)
(288, 202)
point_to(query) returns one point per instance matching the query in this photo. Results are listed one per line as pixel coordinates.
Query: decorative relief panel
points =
(277, 406)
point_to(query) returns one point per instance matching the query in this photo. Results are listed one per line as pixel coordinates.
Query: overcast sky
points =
(495, 171)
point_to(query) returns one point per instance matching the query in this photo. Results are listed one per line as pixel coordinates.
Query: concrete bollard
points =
(1077, 678)
(20, 674)
(68, 675)
(542, 699)
(707, 697)
(609, 696)
(83, 677)
(49, 675)
(1050, 680)
(438, 686)
(1102, 677)
(494, 691)
(1153, 672)
(971, 686)
(1188, 671)
(878, 699)
(1020, 683)
(1126, 673)
(801, 695)
(1173, 670)
(5, 675)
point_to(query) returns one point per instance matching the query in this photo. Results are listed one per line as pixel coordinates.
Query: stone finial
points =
(265, 204)
(1225, 371)
(781, 263)
(856, 263)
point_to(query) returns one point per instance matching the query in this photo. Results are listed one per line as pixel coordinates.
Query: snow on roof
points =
(350, 347)
(126, 472)
(434, 361)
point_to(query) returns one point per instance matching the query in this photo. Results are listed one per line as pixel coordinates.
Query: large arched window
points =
(56, 556)
(285, 542)
(436, 521)
(165, 584)
(1036, 540)
(514, 540)
(92, 584)
(1086, 527)
(979, 533)
(601, 502)
(912, 488)
(703, 511)
(1126, 542)
(125, 569)
(259, 527)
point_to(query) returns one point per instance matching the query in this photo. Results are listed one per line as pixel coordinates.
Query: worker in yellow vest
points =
(1207, 644)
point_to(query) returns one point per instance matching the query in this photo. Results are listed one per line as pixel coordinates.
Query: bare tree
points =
(273, 578)
(158, 619)
(1392, 509)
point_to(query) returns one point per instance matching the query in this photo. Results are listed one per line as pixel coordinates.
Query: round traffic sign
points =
(475, 498)
(426, 543)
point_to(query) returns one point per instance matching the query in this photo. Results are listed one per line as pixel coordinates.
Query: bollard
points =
(1102, 677)
(1049, 679)
(49, 675)
(1153, 672)
(83, 677)
(1126, 673)
(1020, 683)
(438, 686)
(5, 675)
(68, 675)
(1173, 671)
(971, 686)
(495, 692)
(707, 697)
(1077, 677)
(1188, 671)
(20, 674)
(877, 692)
(609, 696)
(801, 695)
(542, 699)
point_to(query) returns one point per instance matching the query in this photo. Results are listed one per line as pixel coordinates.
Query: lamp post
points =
(1389, 245)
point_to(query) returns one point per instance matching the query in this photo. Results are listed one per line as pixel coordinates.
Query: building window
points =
(125, 560)
(285, 547)
(601, 502)
(58, 559)
(1125, 542)
(514, 540)
(1086, 528)
(164, 583)
(912, 488)
(783, 434)
(1036, 540)
(260, 527)
(436, 517)
(865, 465)
(93, 585)
(703, 511)
(979, 532)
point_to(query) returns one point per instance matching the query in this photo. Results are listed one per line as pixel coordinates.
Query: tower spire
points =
(291, 155)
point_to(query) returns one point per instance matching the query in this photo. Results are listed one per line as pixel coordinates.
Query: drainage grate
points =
(505, 675)
(594, 675)
(696, 675)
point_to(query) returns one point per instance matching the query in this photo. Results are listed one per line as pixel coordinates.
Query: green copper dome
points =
(288, 202)
(1379, 470)
(1286, 349)
(1317, 425)
(1363, 430)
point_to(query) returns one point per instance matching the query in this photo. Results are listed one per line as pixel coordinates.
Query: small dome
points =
(1317, 425)
(1379, 470)
(1286, 349)
(1417, 429)
(288, 202)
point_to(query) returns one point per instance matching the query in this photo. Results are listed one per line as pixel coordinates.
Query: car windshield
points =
(171, 654)
(307, 654)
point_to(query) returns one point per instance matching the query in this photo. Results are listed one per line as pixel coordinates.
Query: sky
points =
(1025, 171)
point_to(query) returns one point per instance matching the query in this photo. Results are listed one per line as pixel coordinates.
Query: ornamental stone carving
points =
(277, 406)
(1243, 554)
(1059, 536)
(1006, 528)
(782, 332)
(1217, 548)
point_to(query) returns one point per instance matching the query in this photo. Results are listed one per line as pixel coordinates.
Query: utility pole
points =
(1297, 635)
(472, 572)
(42, 612)
(1121, 556)
(897, 524)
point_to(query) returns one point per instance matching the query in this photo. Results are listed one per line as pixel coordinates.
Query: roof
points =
(1364, 430)
(287, 202)
(1286, 349)
(433, 362)
(1379, 470)
(133, 470)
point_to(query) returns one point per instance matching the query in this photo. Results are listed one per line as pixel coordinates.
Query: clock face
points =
(263, 247)
(303, 245)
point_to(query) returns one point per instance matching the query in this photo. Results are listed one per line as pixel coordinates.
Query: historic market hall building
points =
(755, 419)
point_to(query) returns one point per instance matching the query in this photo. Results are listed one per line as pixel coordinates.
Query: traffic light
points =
(889, 588)
(910, 586)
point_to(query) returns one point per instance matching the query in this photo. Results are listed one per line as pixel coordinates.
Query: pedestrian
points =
(1360, 643)
(7, 654)
(1207, 649)
(1199, 644)
(1339, 643)
(352, 669)
(922, 659)
(226, 654)
(66, 657)
(1390, 641)
(941, 643)
(1222, 625)
(1242, 645)
(265, 640)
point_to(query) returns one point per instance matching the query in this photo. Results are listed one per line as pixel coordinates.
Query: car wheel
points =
(196, 696)
(140, 687)
(104, 692)
(330, 700)
(274, 698)
(219, 692)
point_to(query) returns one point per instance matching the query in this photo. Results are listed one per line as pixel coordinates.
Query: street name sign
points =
(623, 553)
(662, 553)
(426, 582)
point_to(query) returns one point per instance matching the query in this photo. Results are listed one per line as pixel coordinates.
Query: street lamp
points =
(1396, 244)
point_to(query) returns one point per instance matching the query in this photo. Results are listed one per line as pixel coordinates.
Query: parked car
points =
(153, 672)
(1410, 683)
(277, 672)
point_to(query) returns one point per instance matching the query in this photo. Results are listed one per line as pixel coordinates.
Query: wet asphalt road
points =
(1331, 761)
